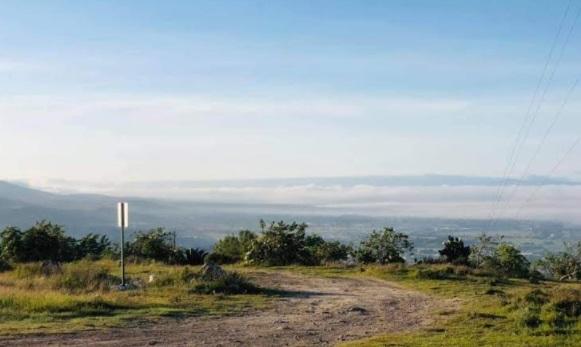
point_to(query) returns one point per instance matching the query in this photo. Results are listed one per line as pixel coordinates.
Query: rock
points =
(212, 272)
(356, 309)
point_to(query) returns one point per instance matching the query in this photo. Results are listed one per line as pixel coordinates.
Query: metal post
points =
(122, 255)
(123, 245)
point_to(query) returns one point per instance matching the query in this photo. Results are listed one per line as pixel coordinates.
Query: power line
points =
(530, 118)
(549, 174)
(542, 142)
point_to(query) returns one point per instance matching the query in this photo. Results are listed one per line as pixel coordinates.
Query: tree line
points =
(279, 244)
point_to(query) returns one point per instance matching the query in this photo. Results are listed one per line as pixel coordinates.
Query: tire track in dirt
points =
(314, 311)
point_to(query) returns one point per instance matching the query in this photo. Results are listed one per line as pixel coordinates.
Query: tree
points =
(565, 265)
(454, 251)
(484, 248)
(11, 244)
(47, 241)
(153, 244)
(386, 246)
(93, 246)
(509, 261)
(281, 244)
(326, 251)
(233, 248)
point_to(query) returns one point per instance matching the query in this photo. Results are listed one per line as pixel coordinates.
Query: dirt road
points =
(317, 311)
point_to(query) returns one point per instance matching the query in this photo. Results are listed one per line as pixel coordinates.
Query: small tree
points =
(386, 246)
(508, 260)
(153, 244)
(11, 244)
(93, 246)
(484, 248)
(565, 265)
(281, 244)
(454, 251)
(232, 248)
(326, 251)
(47, 241)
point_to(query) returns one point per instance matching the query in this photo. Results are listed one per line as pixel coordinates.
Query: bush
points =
(93, 246)
(189, 256)
(230, 283)
(508, 261)
(233, 248)
(281, 244)
(326, 251)
(153, 244)
(386, 246)
(4, 266)
(454, 251)
(564, 265)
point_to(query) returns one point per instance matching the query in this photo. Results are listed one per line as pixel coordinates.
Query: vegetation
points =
(565, 265)
(46, 241)
(383, 247)
(47, 278)
(455, 251)
(83, 294)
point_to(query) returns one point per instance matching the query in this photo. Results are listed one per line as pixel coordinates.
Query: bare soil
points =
(312, 311)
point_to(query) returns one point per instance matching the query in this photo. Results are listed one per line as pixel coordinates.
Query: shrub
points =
(233, 248)
(189, 256)
(4, 266)
(508, 260)
(281, 244)
(230, 283)
(454, 251)
(153, 244)
(93, 246)
(11, 244)
(326, 251)
(565, 265)
(47, 241)
(386, 246)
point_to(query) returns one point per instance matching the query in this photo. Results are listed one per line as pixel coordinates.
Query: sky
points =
(201, 90)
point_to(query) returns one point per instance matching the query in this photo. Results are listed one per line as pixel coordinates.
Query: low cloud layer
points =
(555, 201)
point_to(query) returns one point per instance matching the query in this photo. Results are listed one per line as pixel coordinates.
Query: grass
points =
(484, 310)
(82, 295)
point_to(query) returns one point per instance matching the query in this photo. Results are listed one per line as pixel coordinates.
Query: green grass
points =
(485, 311)
(82, 296)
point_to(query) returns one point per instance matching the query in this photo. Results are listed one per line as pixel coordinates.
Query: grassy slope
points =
(487, 312)
(31, 303)
(490, 312)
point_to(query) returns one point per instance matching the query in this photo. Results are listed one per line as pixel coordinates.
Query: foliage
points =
(230, 283)
(565, 265)
(281, 244)
(326, 251)
(454, 251)
(386, 246)
(11, 244)
(484, 248)
(507, 260)
(47, 241)
(93, 246)
(190, 256)
(233, 248)
(152, 244)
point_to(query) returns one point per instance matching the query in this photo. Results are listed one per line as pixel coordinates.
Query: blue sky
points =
(151, 90)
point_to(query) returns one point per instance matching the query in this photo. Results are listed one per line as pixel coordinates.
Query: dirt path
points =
(318, 311)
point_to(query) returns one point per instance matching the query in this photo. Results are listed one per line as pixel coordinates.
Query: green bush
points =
(231, 283)
(233, 248)
(386, 246)
(455, 251)
(281, 244)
